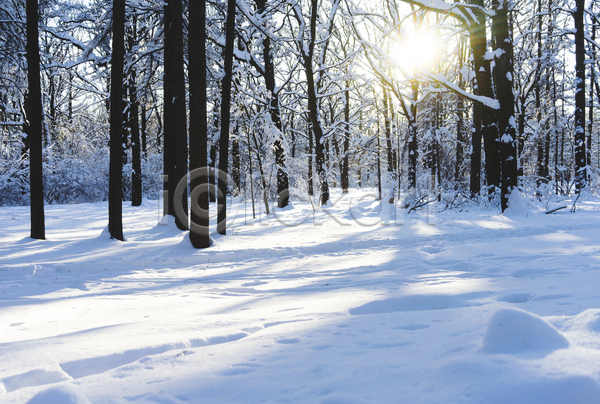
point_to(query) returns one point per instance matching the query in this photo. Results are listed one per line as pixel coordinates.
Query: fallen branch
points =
(417, 205)
(554, 210)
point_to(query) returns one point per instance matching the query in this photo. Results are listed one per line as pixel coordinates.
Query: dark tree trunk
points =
(313, 106)
(212, 197)
(175, 145)
(144, 130)
(413, 148)
(591, 94)
(311, 148)
(475, 182)
(460, 121)
(236, 164)
(388, 130)
(115, 191)
(344, 178)
(134, 127)
(580, 155)
(503, 73)
(199, 223)
(126, 127)
(378, 164)
(273, 106)
(34, 130)
(538, 104)
(225, 118)
(292, 135)
(484, 119)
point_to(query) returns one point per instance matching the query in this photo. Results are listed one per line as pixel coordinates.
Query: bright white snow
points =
(452, 307)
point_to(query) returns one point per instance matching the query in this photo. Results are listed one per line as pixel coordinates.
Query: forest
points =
(277, 100)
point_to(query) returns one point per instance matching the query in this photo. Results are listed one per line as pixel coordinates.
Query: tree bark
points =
(413, 148)
(460, 121)
(235, 161)
(311, 148)
(484, 119)
(175, 144)
(580, 155)
(313, 107)
(115, 191)
(134, 127)
(35, 118)
(344, 177)
(274, 112)
(503, 73)
(199, 223)
(225, 118)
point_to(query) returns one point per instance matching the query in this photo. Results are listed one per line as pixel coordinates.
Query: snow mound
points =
(592, 318)
(169, 221)
(105, 233)
(516, 205)
(59, 395)
(513, 331)
(588, 321)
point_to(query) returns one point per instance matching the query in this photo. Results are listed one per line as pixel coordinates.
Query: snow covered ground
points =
(456, 307)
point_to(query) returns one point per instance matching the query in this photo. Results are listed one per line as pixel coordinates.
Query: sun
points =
(416, 51)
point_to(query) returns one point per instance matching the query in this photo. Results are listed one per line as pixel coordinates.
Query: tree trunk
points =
(199, 223)
(484, 118)
(175, 144)
(212, 197)
(460, 121)
(538, 104)
(115, 191)
(144, 130)
(134, 126)
(235, 161)
(378, 164)
(311, 148)
(591, 100)
(225, 119)
(344, 177)
(503, 73)
(412, 137)
(580, 155)
(34, 130)
(313, 106)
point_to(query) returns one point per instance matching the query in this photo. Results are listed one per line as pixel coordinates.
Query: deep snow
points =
(452, 307)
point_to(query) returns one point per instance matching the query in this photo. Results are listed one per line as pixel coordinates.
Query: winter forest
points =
(293, 99)
(337, 201)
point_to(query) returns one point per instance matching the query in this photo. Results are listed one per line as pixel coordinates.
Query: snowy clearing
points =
(456, 307)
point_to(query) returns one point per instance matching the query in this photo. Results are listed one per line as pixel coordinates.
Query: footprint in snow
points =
(35, 377)
(288, 341)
